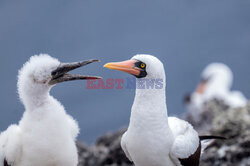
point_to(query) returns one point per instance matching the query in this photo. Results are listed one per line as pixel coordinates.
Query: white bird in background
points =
(153, 138)
(46, 134)
(216, 82)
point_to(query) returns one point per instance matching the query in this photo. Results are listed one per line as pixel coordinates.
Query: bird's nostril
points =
(53, 73)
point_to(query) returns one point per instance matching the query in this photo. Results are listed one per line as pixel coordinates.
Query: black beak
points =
(61, 73)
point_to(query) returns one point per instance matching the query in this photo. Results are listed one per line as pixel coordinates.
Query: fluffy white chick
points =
(46, 134)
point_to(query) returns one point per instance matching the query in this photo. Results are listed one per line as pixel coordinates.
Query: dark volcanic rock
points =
(210, 110)
(233, 124)
(106, 152)
(112, 154)
(86, 157)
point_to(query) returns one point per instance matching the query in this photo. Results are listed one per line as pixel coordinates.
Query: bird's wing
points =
(186, 148)
(236, 99)
(10, 146)
(123, 145)
(73, 126)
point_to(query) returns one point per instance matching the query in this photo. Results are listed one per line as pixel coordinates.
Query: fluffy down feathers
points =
(10, 145)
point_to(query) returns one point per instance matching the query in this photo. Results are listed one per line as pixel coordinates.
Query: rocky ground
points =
(235, 125)
(105, 152)
(218, 119)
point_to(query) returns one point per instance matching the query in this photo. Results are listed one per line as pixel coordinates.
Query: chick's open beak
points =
(61, 73)
(125, 66)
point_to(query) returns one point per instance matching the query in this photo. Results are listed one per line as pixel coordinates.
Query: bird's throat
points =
(149, 109)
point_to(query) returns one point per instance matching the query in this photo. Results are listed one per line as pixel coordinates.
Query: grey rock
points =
(105, 152)
(234, 124)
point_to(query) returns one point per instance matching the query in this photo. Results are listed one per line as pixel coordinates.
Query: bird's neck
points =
(149, 109)
(35, 99)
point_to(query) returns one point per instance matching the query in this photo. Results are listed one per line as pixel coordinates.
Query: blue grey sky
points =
(185, 34)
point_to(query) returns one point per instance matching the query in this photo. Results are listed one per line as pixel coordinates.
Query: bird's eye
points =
(143, 65)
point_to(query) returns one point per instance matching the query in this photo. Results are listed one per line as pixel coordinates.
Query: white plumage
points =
(153, 139)
(46, 134)
(216, 83)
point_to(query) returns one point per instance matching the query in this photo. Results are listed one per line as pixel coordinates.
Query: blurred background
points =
(185, 35)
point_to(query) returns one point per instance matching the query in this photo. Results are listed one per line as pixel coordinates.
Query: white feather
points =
(185, 136)
(124, 148)
(205, 144)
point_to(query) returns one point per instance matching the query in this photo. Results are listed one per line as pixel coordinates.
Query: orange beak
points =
(201, 87)
(125, 66)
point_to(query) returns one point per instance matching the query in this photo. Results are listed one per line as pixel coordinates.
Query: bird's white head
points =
(35, 75)
(215, 77)
(41, 72)
(148, 102)
(141, 66)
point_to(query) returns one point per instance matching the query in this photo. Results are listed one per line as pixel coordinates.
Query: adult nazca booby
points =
(45, 136)
(216, 82)
(153, 138)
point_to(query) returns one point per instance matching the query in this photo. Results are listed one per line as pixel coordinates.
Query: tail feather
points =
(206, 141)
(204, 137)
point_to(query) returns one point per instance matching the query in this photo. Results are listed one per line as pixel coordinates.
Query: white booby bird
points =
(216, 82)
(153, 138)
(46, 134)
